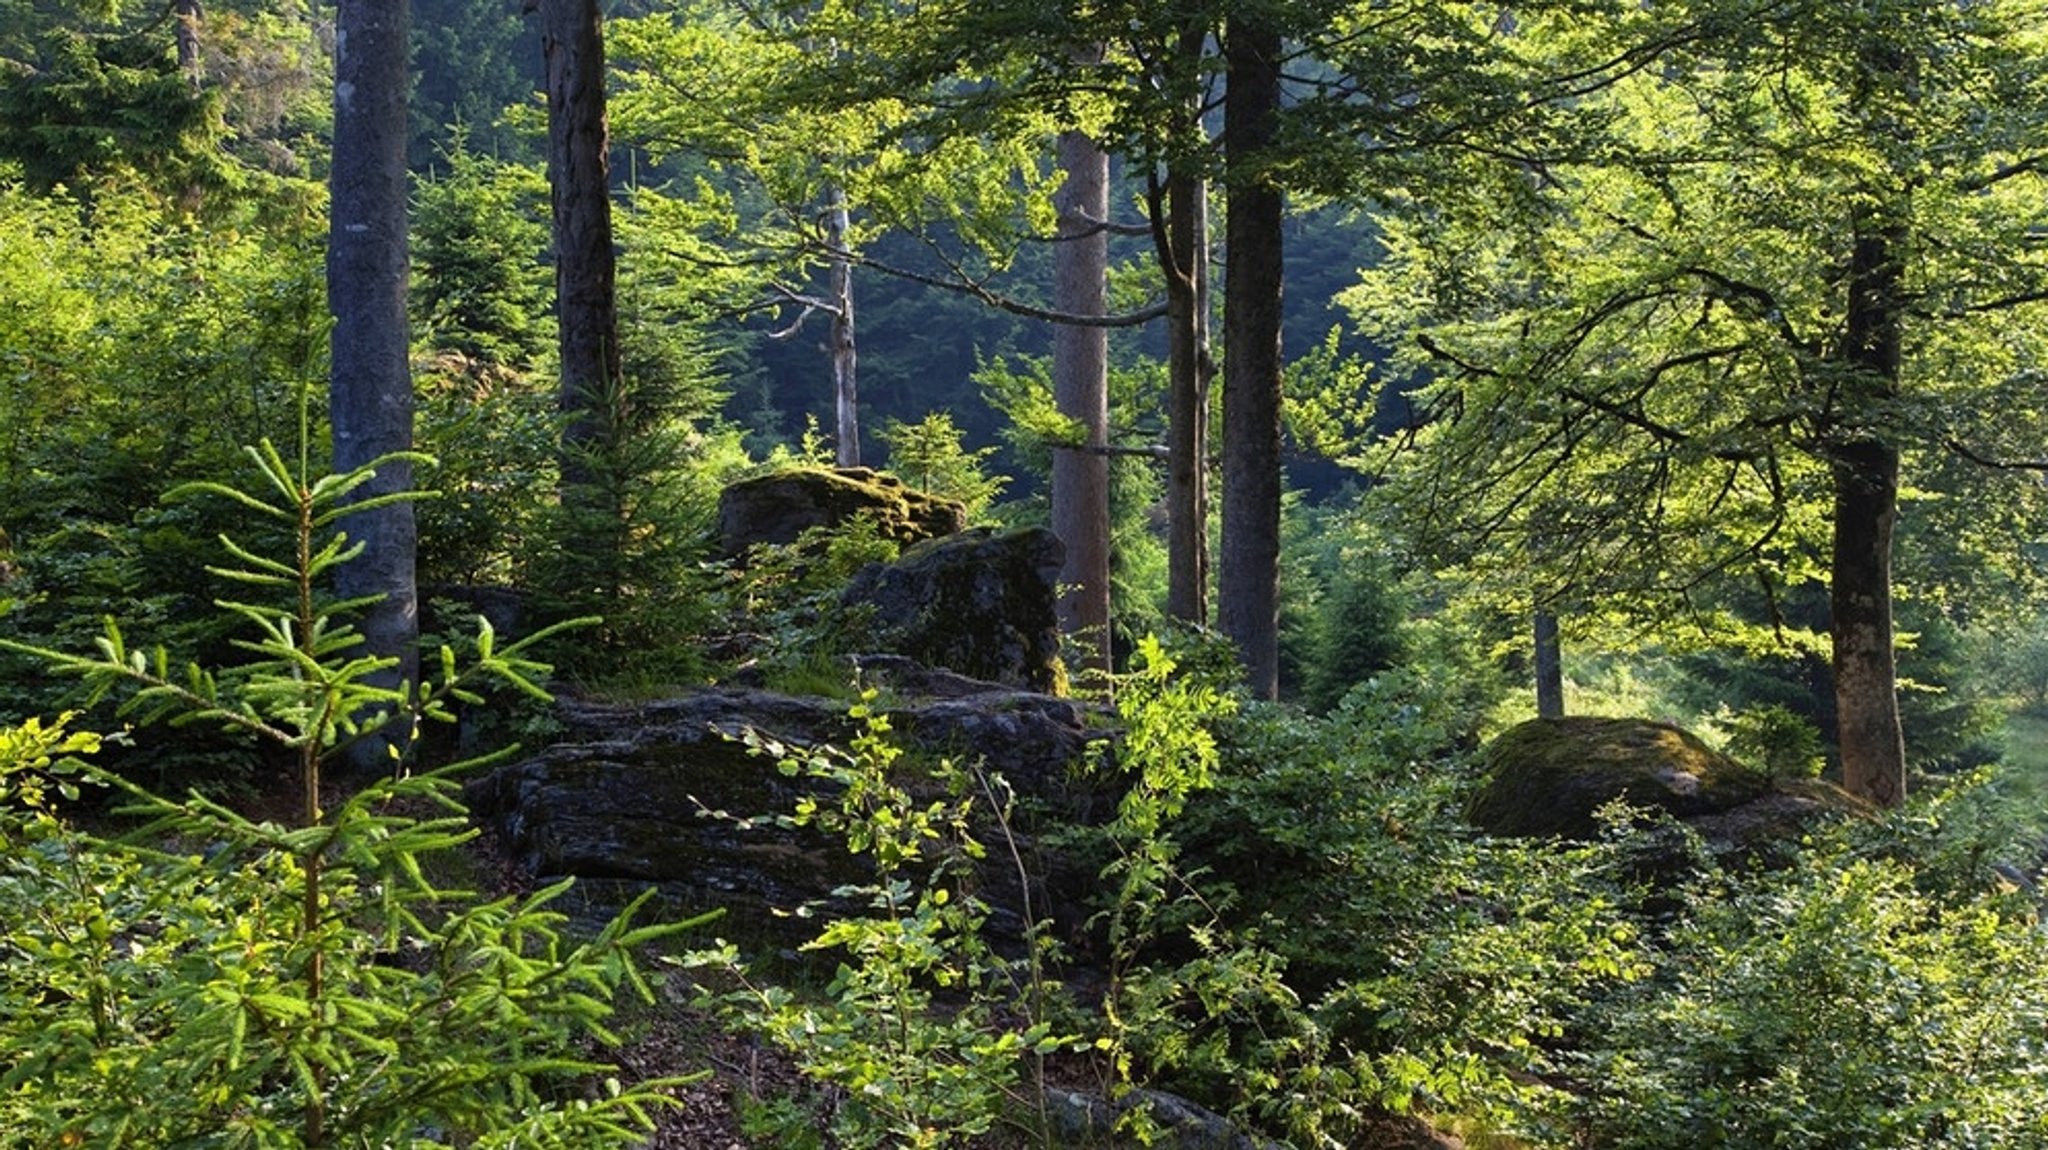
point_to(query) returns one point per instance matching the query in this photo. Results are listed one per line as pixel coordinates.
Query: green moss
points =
(1549, 776)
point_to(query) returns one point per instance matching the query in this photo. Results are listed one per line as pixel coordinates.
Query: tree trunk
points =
(1549, 667)
(370, 379)
(845, 378)
(1866, 479)
(1188, 367)
(1080, 371)
(188, 15)
(1248, 575)
(579, 174)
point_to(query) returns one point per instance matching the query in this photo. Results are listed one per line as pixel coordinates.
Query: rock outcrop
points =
(778, 508)
(663, 794)
(1549, 777)
(979, 603)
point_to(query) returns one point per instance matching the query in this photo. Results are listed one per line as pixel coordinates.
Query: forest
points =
(1539, 512)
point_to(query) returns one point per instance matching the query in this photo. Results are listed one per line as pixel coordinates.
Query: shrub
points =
(1833, 1004)
(211, 980)
(918, 1028)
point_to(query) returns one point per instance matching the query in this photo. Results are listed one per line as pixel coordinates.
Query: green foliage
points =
(785, 599)
(138, 353)
(494, 434)
(1306, 935)
(88, 106)
(479, 228)
(481, 306)
(627, 537)
(1776, 740)
(1836, 1003)
(212, 980)
(476, 66)
(1358, 633)
(917, 1026)
(928, 456)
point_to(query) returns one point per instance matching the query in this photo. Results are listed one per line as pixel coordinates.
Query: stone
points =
(1548, 777)
(1081, 1118)
(979, 603)
(662, 794)
(779, 508)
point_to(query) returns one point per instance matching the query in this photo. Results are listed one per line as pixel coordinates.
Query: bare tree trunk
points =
(1866, 478)
(579, 174)
(370, 379)
(1080, 358)
(1549, 667)
(845, 364)
(1188, 369)
(1248, 576)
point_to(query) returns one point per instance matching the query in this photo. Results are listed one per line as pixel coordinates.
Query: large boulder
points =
(662, 794)
(979, 603)
(778, 508)
(1547, 777)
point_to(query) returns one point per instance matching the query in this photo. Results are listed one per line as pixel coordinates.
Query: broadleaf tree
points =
(1780, 273)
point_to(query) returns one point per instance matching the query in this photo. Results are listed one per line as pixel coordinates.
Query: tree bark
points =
(1248, 574)
(1188, 368)
(845, 363)
(579, 175)
(188, 15)
(370, 379)
(1549, 667)
(1866, 482)
(1080, 358)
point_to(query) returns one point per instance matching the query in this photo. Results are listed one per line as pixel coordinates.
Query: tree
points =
(1080, 471)
(81, 103)
(189, 15)
(1248, 573)
(1793, 260)
(370, 380)
(778, 175)
(586, 274)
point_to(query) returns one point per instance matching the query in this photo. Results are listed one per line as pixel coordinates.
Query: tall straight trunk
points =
(1549, 667)
(592, 390)
(1248, 574)
(1080, 372)
(370, 379)
(845, 364)
(1866, 482)
(1188, 367)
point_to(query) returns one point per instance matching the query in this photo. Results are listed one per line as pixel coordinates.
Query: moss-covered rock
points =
(979, 603)
(1547, 777)
(778, 508)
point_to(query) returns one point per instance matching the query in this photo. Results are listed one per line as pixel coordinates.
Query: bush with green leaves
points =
(211, 980)
(1839, 1002)
(924, 1029)
(1329, 941)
